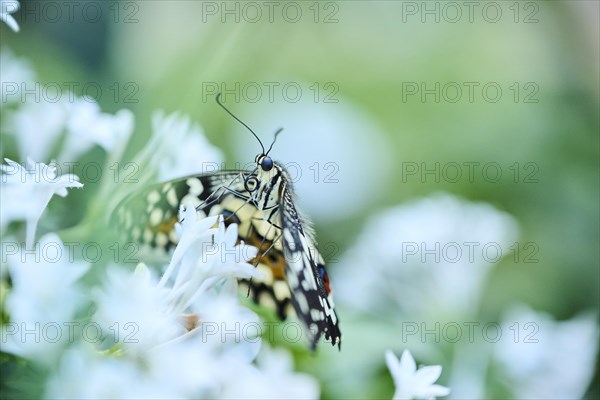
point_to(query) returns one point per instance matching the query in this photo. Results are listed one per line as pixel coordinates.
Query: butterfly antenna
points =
(274, 139)
(239, 120)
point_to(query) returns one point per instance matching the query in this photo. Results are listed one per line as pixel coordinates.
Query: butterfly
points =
(262, 203)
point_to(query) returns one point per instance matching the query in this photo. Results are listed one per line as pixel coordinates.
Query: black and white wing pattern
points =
(261, 202)
(148, 216)
(306, 275)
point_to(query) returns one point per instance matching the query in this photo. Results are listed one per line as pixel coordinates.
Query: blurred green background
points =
(375, 56)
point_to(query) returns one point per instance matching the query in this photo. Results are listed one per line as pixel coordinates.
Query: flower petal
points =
(407, 362)
(392, 363)
(428, 375)
(438, 391)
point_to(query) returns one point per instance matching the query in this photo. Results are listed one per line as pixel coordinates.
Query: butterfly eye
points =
(266, 164)
(251, 183)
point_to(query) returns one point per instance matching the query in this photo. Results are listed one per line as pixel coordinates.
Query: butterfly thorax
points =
(266, 183)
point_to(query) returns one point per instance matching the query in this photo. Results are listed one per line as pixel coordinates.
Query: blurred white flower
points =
(135, 309)
(8, 7)
(15, 74)
(27, 191)
(548, 359)
(43, 299)
(179, 148)
(412, 383)
(223, 320)
(87, 126)
(85, 373)
(272, 378)
(79, 118)
(184, 369)
(34, 139)
(191, 368)
(197, 369)
(412, 286)
(425, 259)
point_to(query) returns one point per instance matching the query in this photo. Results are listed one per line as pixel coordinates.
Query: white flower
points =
(79, 117)
(134, 309)
(198, 263)
(43, 299)
(189, 368)
(272, 378)
(427, 258)
(179, 148)
(190, 230)
(27, 191)
(8, 7)
(233, 259)
(105, 377)
(223, 320)
(412, 383)
(15, 74)
(35, 139)
(87, 126)
(548, 359)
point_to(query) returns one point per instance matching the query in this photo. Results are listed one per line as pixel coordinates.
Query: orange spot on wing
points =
(166, 226)
(326, 282)
(273, 259)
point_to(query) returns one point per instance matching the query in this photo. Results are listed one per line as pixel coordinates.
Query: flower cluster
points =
(157, 354)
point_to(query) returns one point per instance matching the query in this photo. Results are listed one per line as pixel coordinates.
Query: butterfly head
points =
(264, 162)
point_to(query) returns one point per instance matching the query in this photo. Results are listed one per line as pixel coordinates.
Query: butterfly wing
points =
(306, 275)
(148, 217)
